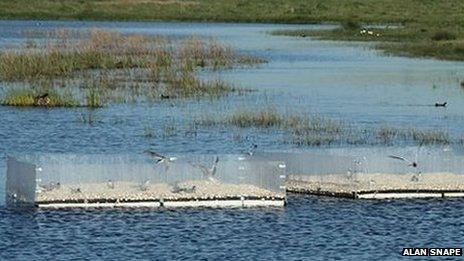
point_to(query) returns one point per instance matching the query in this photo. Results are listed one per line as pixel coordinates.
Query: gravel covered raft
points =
(352, 186)
(133, 192)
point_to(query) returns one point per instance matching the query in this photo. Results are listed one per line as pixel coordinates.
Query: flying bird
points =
(416, 176)
(252, 149)
(160, 159)
(410, 163)
(208, 173)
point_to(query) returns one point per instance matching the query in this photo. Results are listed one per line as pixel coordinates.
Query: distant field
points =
(430, 28)
(281, 11)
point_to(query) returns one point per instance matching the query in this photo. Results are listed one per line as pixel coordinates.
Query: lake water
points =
(345, 81)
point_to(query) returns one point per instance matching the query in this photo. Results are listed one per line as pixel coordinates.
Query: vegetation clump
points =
(303, 129)
(103, 62)
(28, 97)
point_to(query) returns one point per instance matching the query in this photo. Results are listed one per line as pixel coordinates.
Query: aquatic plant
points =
(306, 129)
(93, 98)
(100, 59)
(28, 97)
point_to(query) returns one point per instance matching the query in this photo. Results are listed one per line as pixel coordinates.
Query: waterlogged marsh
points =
(103, 64)
(341, 82)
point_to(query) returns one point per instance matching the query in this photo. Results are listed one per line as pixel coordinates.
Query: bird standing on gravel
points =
(50, 186)
(110, 184)
(144, 185)
(208, 173)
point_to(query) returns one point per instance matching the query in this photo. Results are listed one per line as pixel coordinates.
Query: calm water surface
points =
(337, 80)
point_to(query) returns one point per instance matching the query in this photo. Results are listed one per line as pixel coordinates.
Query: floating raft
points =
(379, 185)
(213, 203)
(127, 194)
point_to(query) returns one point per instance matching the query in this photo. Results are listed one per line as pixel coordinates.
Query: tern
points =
(178, 189)
(410, 163)
(110, 184)
(208, 173)
(252, 149)
(160, 159)
(415, 177)
(76, 190)
(50, 186)
(144, 185)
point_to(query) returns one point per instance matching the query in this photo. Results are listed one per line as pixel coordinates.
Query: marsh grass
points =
(106, 60)
(27, 97)
(411, 41)
(421, 21)
(303, 129)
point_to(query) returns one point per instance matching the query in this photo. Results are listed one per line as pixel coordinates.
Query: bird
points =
(208, 173)
(76, 190)
(42, 100)
(190, 190)
(410, 163)
(370, 33)
(160, 159)
(50, 186)
(303, 35)
(110, 184)
(178, 189)
(144, 185)
(441, 104)
(363, 31)
(252, 149)
(415, 177)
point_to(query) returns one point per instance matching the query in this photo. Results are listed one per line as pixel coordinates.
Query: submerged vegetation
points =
(304, 129)
(106, 65)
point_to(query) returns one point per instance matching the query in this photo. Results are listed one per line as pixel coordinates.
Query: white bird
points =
(370, 33)
(50, 186)
(415, 177)
(409, 162)
(363, 31)
(178, 189)
(160, 159)
(76, 190)
(208, 173)
(144, 185)
(110, 184)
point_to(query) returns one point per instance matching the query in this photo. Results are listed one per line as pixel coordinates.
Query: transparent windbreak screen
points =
(373, 169)
(78, 178)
